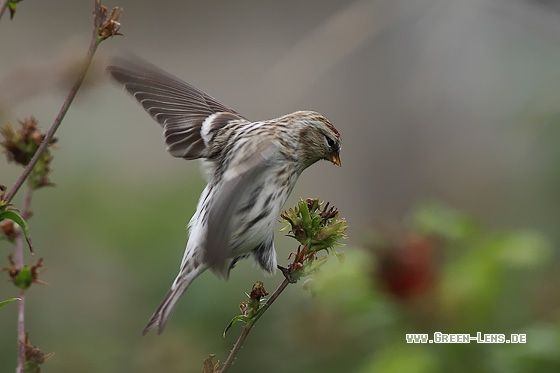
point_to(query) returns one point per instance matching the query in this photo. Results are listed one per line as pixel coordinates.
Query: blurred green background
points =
(450, 183)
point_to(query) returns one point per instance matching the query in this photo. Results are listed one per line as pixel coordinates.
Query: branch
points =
(19, 264)
(95, 41)
(247, 328)
(317, 228)
(21, 314)
(3, 6)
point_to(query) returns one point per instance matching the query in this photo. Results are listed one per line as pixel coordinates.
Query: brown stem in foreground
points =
(21, 313)
(247, 328)
(3, 6)
(95, 40)
(21, 329)
(19, 264)
(25, 215)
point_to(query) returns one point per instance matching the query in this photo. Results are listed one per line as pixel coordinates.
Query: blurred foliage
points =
(445, 272)
(479, 281)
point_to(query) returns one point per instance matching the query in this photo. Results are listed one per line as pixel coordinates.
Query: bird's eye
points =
(333, 146)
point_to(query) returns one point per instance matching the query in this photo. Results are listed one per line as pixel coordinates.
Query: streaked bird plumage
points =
(251, 169)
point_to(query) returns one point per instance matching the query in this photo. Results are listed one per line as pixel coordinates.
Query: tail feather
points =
(162, 314)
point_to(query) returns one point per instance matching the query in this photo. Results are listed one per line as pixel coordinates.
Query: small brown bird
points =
(251, 169)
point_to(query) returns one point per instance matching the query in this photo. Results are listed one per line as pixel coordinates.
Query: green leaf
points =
(305, 215)
(242, 318)
(400, 357)
(438, 219)
(16, 218)
(4, 302)
(12, 5)
(524, 249)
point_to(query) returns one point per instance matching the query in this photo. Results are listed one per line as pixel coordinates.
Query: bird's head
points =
(318, 139)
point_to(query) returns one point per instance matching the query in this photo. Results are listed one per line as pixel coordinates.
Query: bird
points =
(250, 167)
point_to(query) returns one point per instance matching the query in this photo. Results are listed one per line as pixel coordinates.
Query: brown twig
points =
(3, 6)
(19, 264)
(247, 328)
(95, 40)
(21, 327)
(21, 313)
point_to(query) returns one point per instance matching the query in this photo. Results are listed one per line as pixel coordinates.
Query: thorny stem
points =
(95, 40)
(247, 328)
(21, 328)
(19, 264)
(21, 310)
(24, 214)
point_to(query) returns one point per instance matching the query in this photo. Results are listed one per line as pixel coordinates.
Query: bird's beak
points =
(334, 157)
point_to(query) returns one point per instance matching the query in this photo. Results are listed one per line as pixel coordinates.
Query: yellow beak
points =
(335, 158)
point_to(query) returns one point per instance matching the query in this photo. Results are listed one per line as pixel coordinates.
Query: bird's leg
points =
(287, 273)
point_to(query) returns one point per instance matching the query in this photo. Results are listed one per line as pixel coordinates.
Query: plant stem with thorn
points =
(317, 229)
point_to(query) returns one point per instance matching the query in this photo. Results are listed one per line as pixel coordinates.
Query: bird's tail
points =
(184, 278)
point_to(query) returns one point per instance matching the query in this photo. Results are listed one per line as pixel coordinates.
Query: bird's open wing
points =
(240, 181)
(180, 108)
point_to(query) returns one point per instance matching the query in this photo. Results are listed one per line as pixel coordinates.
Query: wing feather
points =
(180, 108)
